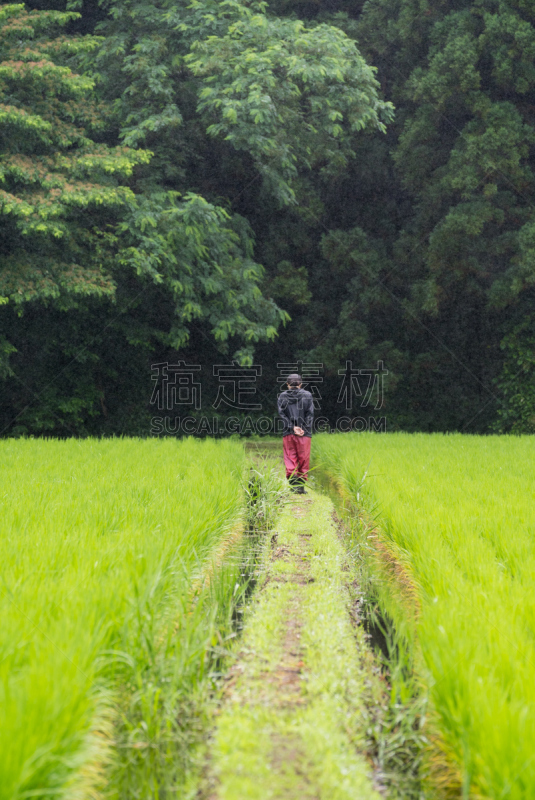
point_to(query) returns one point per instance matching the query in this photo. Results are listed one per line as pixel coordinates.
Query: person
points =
(296, 410)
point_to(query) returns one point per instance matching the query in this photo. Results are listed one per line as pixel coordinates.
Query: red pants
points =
(296, 455)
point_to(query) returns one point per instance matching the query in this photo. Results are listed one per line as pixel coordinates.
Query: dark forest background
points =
(209, 182)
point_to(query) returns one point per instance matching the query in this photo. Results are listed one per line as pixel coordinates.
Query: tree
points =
(429, 259)
(227, 99)
(58, 187)
(291, 97)
(73, 231)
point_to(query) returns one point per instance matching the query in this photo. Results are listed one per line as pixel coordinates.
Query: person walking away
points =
(296, 410)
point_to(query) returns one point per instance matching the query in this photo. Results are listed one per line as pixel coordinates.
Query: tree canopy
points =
(209, 180)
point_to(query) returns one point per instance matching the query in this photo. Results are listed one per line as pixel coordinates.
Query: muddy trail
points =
(300, 695)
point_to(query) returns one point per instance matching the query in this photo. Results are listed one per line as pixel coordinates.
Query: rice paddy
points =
(450, 541)
(126, 568)
(107, 624)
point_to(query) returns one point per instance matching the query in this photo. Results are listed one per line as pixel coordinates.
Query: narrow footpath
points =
(292, 726)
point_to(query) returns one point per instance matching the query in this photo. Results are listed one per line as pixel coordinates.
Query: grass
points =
(293, 723)
(454, 564)
(108, 626)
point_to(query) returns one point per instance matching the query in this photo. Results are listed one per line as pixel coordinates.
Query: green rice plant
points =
(265, 490)
(108, 621)
(453, 562)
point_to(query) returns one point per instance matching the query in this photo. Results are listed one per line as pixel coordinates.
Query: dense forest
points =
(313, 182)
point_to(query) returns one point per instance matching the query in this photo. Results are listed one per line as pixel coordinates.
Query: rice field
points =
(121, 565)
(108, 625)
(456, 520)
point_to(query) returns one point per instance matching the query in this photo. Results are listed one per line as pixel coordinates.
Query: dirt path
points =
(291, 726)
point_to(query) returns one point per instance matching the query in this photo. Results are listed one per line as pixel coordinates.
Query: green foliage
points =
(447, 220)
(58, 187)
(189, 246)
(204, 259)
(474, 196)
(290, 96)
(269, 171)
(290, 285)
(517, 380)
(225, 100)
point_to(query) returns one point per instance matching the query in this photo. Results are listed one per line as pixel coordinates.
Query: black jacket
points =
(296, 408)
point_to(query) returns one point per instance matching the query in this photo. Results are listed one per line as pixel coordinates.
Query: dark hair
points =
(294, 379)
